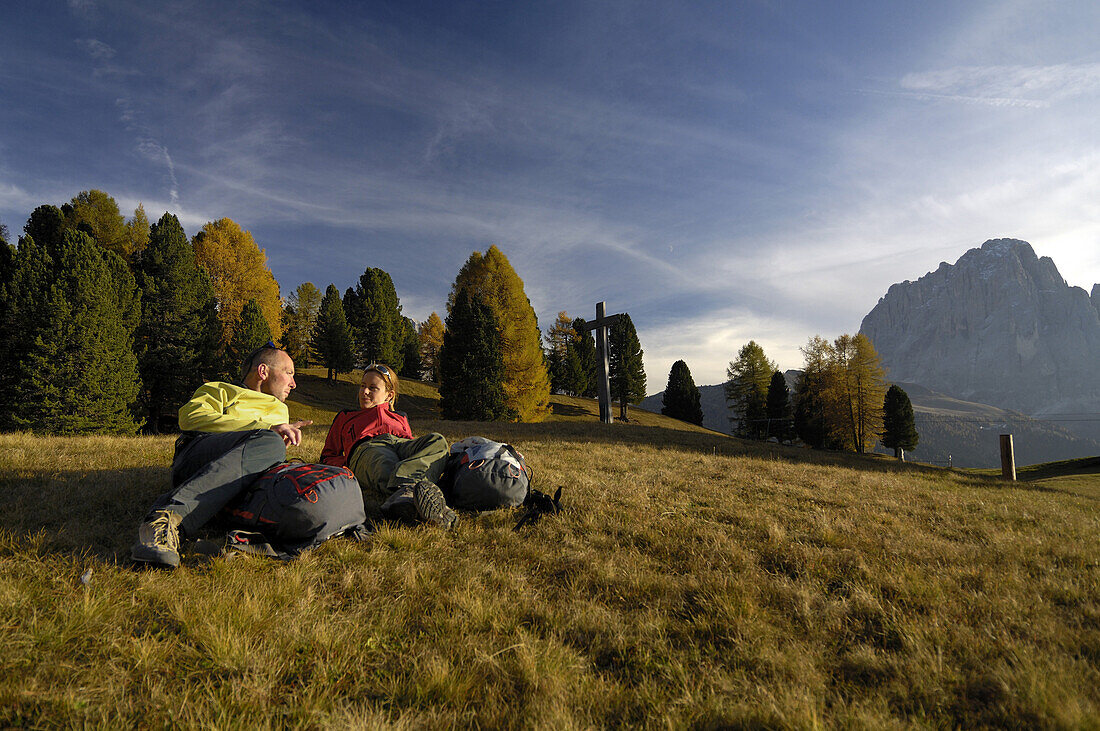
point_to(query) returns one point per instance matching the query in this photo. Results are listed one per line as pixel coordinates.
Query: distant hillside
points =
(968, 434)
(964, 433)
(317, 399)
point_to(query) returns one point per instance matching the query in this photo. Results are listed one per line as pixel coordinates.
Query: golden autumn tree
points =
(238, 270)
(430, 334)
(137, 231)
(526, 381)
(861, 384)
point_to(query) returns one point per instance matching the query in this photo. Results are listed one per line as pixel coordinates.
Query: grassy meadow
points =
(695, 580)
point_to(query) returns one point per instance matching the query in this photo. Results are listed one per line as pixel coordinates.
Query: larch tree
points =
(626, 369)
(97, 214)
(681, 399)
(374, 315)
(747, 390)
(137, 231)
(899, 429)
(493, 280)
(859, 385)
(73, 364)
(178, 335)
(471, 366)
(238, 272)
(299, 318)
(430, 335)
(778, 409)
(332, 336)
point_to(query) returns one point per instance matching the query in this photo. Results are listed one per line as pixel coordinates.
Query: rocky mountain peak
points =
(999, 326)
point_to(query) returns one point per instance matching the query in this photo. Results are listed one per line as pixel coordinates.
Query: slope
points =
(694, 581)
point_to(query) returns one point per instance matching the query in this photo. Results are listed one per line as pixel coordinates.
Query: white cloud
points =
(708, 344)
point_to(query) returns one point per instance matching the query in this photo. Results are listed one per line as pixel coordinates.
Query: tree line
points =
(111, 323)
(841, 402)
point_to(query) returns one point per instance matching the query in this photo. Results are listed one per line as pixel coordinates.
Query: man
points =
(231, 434)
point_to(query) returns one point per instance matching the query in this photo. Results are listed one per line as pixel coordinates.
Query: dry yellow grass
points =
(695, 581)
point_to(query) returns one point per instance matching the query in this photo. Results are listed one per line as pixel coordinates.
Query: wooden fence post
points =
(1008, 461)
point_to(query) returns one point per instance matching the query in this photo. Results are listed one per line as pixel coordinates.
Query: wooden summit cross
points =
(603, 387)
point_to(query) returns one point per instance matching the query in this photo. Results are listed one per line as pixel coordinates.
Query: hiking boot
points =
(159, 540)
(401, 506)
(431, 505)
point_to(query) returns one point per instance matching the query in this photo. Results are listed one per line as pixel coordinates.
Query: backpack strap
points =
(539, 504)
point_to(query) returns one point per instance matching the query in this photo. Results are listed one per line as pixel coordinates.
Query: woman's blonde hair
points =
(388, 376)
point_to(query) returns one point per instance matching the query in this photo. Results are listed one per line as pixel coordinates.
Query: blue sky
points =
(723, 171)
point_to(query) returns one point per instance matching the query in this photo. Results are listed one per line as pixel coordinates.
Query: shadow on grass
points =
(97, 513)
(81, 512)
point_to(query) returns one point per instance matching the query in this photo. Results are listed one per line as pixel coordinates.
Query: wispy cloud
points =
(1028, 86)
(98, 50)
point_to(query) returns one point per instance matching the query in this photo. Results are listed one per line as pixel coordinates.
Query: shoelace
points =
(163, 533)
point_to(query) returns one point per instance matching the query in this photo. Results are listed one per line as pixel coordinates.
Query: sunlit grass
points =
(695, 580)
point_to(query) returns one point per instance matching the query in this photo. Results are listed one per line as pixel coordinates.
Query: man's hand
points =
(291, 433)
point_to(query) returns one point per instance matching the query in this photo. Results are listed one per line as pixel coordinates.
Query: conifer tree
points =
(859, 385)
(681, 399)
(580, 361)
(558, 338)
(178, 336)
(811, 408)
(627, 371)
(332, 336)
(97, 214)
(411, 366)
(471, 366)
(299, 318)
(374, 315)
(899, 430)
(747, 390)
(238, 272)
(778, 407)
(7, 324)
(73, 365)
(250, 332)
(494, 281)
(430, 334)
(137, 231)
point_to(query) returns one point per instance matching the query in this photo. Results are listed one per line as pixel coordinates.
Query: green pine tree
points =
(681, 398)
(250, 332)
(74, 369)
(747, 390)
(412, 366)
(374, 315)
(899, 430)
(332, 336)
(778, 409)
(580, 361)
(627, 372)
(299, 318)
(471, 367)
(177, 338)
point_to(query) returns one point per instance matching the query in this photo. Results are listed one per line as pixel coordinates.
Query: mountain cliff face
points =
(1000, 327)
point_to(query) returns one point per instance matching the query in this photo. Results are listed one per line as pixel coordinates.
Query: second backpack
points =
(485, 475)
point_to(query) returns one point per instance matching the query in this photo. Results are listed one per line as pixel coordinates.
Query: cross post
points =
(603, 386)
